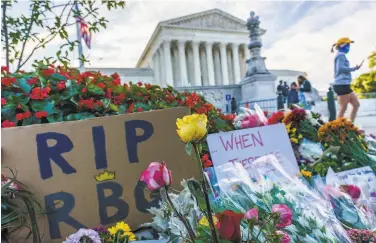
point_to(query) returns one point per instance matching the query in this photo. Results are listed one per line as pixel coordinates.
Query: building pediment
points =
(214, 19)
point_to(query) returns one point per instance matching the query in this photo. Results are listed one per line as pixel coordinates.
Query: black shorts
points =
(342, 89)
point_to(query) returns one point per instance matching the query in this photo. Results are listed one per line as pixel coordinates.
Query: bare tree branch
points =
(50, 37)
(5, 32)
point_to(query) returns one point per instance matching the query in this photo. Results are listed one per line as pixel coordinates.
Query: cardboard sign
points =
(86, 173)
(247, 145)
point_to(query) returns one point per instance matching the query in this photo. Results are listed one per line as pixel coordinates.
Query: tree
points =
(366, 82)
(36, 30)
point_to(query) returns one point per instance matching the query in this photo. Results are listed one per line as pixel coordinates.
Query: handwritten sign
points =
(86, 173)
(248, 145)
(363, 177)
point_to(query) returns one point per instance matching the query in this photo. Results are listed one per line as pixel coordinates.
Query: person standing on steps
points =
(343, 78)
(305, 93)
(285, 92)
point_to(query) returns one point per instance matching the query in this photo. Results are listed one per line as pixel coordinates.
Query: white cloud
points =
(306, 45)
(299, 34)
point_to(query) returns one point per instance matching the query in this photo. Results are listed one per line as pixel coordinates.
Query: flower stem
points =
(205, 190)
(191, 233)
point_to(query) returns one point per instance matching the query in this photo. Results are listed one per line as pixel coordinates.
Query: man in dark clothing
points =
(293, 97)
(280, 87)
(234, 106)
(285, 91)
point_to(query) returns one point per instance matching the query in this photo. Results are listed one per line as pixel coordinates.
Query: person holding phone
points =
(343, 78)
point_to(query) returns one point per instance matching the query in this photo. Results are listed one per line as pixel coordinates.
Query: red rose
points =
(7, 123)
(139, 84)
(19, 116)
(84, 90)
(101, 85)
(61, 85)
(3, 101)
(47, 72)
(229, 228)
(139, 109)
(41, 114)
(26, 114)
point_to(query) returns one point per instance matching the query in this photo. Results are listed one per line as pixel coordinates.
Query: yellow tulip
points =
(192, 127)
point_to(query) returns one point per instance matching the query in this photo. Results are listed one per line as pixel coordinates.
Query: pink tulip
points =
(285, 238)
(285, 214)
(156, 176)
(251, 214)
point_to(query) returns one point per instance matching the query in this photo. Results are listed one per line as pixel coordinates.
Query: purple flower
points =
(89, 233)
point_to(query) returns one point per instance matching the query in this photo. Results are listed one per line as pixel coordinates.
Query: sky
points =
(299, 33)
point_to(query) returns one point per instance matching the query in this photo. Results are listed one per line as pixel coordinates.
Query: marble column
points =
(222, 47)
(183, 64)
(235, 58)
(196, 63)
(167, 63)
(156, 68)
(209, 56)
(217, 67)
(162, 70)
(175, 66)
(247, 52)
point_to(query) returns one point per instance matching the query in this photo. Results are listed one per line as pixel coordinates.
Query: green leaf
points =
(58, 76)
(24, 85)
(106, 103)
(43, 105)
(188, 148)
(114, 107)
(221, 124)
(196, 190)
(123, 109)
(68, 93)
(8, 112)
(58, 117)
(93, 89)
(79, 116)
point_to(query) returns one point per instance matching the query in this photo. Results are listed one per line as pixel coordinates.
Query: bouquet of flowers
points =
(248, 118)
(270, 185)
(349, 139)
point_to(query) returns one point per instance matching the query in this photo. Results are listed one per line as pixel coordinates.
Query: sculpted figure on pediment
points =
(214, 21)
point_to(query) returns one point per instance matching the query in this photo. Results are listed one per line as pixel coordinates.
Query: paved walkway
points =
(367, 123)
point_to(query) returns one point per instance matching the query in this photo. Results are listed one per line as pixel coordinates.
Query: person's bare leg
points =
(343, 100)
(354, 101)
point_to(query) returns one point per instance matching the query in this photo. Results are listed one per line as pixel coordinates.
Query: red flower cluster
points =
(61, 85)
(33, 81)
(39, 94)
(7, 123)
(4, 69)
(21, 116)
(8, 81)
(276, 117)
(295, 115)
(47, 72)
(206, 162)
(3, 101)
(41, 114)
(90, 103)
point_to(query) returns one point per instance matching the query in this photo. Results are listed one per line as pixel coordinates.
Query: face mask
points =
(344, 49)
